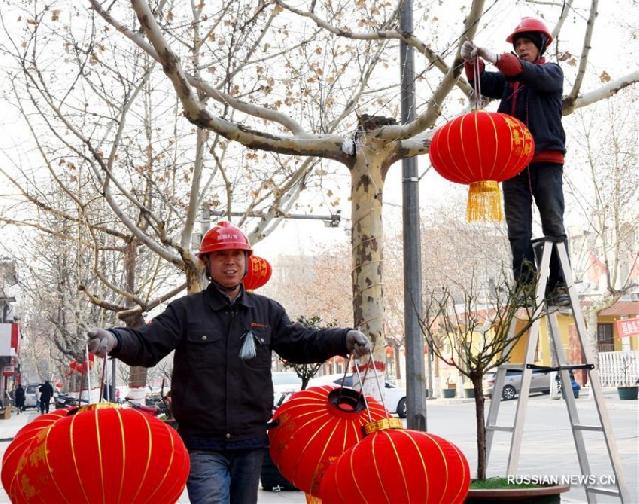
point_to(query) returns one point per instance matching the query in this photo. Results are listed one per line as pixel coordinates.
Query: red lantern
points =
(396, 466)
(103, 454)
(314, 427)
(21, 442)
(482, 149)
(259, 272)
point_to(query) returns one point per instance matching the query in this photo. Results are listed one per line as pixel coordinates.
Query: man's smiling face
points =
(227, 267)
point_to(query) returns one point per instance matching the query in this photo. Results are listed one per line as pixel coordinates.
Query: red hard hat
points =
(224, 236)
(530, 24)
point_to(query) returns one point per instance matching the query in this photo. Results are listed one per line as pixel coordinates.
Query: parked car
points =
(285, 383)
(540, 382)
(31, 396)
(394, 396)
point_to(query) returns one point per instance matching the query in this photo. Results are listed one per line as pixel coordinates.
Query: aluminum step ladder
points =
(561, 365)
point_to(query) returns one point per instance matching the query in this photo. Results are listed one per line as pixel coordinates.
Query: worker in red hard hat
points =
(221, 388)
(530, 89)
(225, 251)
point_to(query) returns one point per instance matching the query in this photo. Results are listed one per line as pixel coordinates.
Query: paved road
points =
(547, 448)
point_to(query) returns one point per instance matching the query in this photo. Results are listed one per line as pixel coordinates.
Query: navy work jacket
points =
(534, 96)
(214, 393)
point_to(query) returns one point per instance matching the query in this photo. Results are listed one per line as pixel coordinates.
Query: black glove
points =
(357, 343)
(101, 341)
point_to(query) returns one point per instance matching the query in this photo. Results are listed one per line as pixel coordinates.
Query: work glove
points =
(487, 55)
(101, 341)
(357, 344)
(469, 51)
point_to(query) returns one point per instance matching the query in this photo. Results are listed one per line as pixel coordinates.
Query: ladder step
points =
(603, 491)
(587, 427)
(502, 428)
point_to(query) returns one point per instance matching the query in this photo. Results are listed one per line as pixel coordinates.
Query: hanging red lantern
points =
(105, 454)
(314, 427)
(482, 149)
(397, 466)
(21, 442)
(259, 272)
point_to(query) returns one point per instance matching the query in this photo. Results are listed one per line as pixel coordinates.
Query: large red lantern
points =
(396, 466)
(482, 149)
(102, 454)
(21, 442)
(259, 272)
(314, 427)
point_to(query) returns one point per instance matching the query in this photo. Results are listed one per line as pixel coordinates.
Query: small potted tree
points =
(629, 391)
(473, 337)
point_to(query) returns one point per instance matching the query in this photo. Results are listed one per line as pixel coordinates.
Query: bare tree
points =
(604, 189)
(255, 90)
(377, 142)
(474, 335)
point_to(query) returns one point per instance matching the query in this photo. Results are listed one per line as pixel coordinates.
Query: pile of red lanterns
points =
(341, 448)
(97, 453)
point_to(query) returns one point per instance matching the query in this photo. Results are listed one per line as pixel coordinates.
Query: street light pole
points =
(414, 345)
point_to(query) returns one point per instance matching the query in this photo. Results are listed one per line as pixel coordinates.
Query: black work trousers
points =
(543, 182)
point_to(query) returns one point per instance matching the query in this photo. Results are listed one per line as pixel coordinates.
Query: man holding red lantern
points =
(221, 389)
(530, 89)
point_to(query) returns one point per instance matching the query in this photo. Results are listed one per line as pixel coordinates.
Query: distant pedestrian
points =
(46, 393)
(18, 398)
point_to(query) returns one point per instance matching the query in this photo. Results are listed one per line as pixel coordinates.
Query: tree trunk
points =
(367, 177)
(137, 377)
(396, 356)
(194, 278)
(480, 423)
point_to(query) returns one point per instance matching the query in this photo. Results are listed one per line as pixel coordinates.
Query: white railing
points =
(618, 368)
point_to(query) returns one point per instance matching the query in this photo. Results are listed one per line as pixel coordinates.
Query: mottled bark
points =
(367, 177)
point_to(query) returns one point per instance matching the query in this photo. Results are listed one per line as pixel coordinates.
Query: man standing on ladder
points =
(530, 89)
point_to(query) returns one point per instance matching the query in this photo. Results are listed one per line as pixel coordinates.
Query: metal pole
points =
(414, 343)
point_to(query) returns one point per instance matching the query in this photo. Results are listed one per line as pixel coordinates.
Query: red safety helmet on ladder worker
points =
(530, 24)
(224, 236)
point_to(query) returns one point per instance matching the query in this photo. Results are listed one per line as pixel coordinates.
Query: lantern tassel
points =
(484, 202)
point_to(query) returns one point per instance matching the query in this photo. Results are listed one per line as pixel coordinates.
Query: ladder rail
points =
(569, 399)
(559, 358)
(593, 375)
(531, 348)
(495, 401)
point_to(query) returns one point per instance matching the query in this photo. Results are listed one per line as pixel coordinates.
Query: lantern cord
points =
(86, 356)
(361, 384)
(105, 380)
(476, 85)
(369, 364)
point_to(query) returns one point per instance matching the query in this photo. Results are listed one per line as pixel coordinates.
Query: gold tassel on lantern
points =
(484, 202)
(311, 499)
